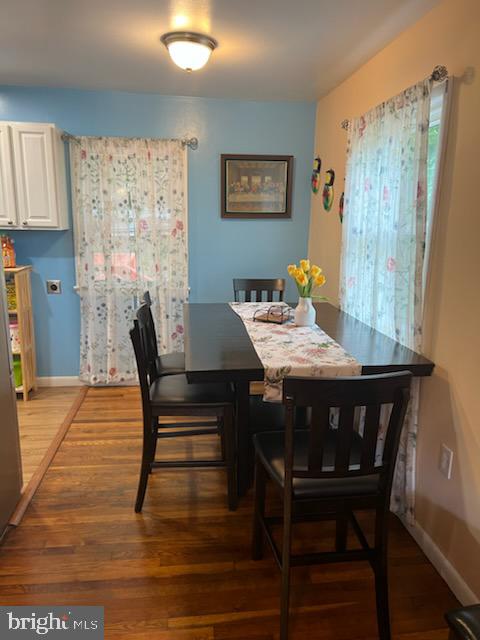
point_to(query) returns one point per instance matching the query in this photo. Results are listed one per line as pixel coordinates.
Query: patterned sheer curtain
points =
(130, 212)
(384, 240)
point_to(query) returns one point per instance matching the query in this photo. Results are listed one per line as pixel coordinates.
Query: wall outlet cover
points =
(446, 460)
(54, 286)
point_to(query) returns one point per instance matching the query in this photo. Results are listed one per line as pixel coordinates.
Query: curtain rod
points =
(439, 74)
(192, 143)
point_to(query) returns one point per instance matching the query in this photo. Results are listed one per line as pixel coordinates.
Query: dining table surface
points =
(218, 349)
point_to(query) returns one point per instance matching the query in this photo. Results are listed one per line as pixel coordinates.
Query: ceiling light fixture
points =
(189, 51)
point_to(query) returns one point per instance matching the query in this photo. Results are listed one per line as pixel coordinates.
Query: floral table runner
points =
(290, 350)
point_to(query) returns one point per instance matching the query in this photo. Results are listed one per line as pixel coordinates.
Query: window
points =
(436, 148)
(391, 190)
(391, 179)
(130, 235)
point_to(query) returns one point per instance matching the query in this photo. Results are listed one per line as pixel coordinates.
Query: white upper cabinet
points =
(8, 211)
(37, 171)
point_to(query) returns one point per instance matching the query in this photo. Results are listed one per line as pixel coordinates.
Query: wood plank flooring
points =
(39, 420)
(182, 569)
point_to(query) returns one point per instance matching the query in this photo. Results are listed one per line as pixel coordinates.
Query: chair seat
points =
(270, 447)
(170, 364)
(465, 622)
(175, 390)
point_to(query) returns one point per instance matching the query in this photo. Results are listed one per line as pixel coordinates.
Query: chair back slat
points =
(147, 298)
(141, 365)
(249, 286)
(148, 337)
(320, 422)
(370, 435)
(353, 452)
(344, 439)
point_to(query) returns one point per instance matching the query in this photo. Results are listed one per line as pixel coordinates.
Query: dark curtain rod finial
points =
(439, 73)
(192, 143)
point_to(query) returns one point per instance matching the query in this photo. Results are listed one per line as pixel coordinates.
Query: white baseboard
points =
(448, 572)
(59, 381)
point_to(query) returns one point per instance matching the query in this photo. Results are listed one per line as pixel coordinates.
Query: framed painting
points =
(256, 186)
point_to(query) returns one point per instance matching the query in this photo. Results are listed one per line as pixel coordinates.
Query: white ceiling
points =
(268, 49)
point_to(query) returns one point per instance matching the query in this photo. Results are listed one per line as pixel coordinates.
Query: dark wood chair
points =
(464, 623)
(258, 286)
(172, 396)
(166, 364)
(326, 472)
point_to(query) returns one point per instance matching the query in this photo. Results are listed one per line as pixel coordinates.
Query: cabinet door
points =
(33, 153)
(8, 212)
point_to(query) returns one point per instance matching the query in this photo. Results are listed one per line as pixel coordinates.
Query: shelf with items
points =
(19, 299)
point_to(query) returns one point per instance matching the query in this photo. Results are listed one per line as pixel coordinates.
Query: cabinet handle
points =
(24, 223)
(10, 222)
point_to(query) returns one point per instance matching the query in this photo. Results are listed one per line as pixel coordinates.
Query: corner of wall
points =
(444, 567)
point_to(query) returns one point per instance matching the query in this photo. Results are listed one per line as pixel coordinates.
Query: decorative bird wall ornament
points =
(328, 192)
(315, 180)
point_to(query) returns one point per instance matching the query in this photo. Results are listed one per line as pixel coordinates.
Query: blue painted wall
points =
(219, 249)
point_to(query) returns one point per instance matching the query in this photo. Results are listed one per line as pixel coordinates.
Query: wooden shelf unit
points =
(23, 312)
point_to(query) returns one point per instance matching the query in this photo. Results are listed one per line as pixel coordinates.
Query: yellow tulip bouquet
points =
(307, 278)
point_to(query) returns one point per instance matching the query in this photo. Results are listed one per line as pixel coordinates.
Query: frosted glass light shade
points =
(189, 51)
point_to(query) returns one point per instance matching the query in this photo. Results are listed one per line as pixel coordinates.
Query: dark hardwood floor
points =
(182, 569)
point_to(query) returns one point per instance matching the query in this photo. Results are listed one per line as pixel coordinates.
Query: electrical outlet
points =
(445, 462)
(54, 286)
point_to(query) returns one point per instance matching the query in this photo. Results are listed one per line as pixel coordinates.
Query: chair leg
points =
(381, 574)
(286, 552)
(381, 592)
(230, 457)
(155, 441)
(259, 510)
(341, 528)
(149, 443)
(221, 433)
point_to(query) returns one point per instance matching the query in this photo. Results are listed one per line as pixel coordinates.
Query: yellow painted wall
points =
(447, 510)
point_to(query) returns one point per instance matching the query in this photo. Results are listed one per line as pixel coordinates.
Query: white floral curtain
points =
(384, 240)
(130, 212)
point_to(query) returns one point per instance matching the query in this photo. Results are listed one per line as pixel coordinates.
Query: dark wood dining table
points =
(218, 349)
